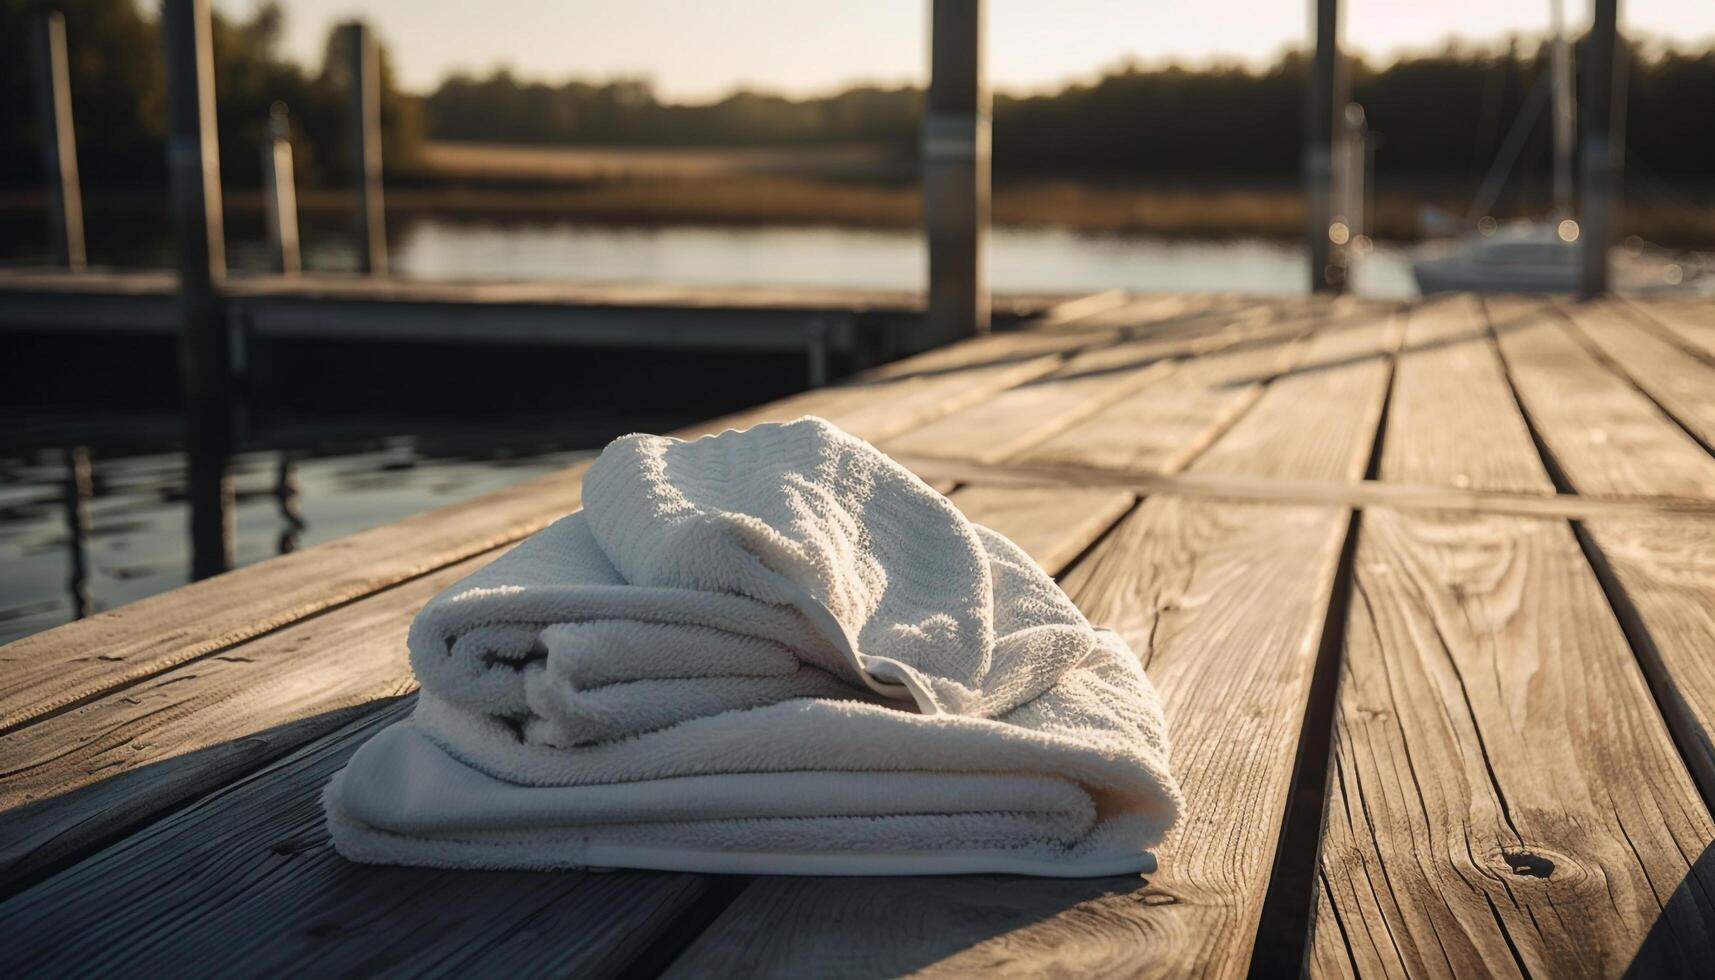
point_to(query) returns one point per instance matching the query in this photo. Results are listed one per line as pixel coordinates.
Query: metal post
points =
(59, 140)
(280, 193)
(193, 167)
(1565, 110)
(1601, 163)
(1323, 105)
(956, 172)
(363, 136)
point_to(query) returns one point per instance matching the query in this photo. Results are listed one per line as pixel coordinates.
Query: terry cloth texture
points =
(767, 651)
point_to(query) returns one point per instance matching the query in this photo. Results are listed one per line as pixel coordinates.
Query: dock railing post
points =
(956, 171)
(52, 80)
(363, 137)
(1323, 104)
(1601, 151)
(280, 193)
(193, 167)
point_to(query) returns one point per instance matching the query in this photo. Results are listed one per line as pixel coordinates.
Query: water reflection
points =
(79, 487)
(291, 515)
(1022, 259)
(85, 530)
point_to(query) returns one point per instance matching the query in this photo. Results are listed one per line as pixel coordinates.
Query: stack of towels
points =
(773, 651)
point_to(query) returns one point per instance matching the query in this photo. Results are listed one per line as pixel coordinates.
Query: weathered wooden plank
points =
(50, 671)
(1604, 435)
(1000, 426)
(1691, 322)
(1662, 570)
(1679, 381)
(1166, 424)
(83, 776)
(1078, 400)
(1506, 799)
(1225, 602)
(1451, 419)
(1306, 423)
(1478, 823)
(1659, 568)
(246, 881)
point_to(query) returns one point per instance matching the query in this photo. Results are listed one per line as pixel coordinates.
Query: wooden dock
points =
(862, 326)
(1429, 593)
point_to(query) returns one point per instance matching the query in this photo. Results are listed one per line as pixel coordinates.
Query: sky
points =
(702, 49)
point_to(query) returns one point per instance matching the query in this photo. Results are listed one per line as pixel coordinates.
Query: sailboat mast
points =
(1560, 65)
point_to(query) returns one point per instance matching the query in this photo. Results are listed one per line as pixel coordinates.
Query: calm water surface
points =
(1020, 259)
(136, 543)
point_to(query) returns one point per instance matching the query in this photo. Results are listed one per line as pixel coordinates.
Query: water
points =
(1020, 259)
(137, 542)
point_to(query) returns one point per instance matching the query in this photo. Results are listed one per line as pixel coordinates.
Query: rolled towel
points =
(772, 651)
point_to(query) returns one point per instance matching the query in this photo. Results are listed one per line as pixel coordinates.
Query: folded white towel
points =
(770, 651)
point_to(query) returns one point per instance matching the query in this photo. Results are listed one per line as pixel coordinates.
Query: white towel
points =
(773, 651)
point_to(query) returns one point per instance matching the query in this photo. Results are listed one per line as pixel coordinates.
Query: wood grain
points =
(82, 777)
(1309, 419)
(1000, 426)
(1604, 435)
(1477, 821)
(1451, 419)
(246, 882)
(1663, 568)
(1225, 602)
(1165, 425)
(1506, 799)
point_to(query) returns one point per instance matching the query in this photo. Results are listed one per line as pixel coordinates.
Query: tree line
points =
(118, 88)
(1437, 115)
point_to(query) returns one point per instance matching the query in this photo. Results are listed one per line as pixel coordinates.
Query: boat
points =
(1532, 256)
(1527, 257)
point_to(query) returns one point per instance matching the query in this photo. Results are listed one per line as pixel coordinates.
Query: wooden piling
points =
(79, 487)
(1601, 150)
(956, 172)
(280, 193)
(193, 166)
(363, 137)
(1323, 105)
(52, 80)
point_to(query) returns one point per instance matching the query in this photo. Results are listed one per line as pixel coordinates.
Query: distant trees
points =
(1440, 115)
(117, 84)
(501, 108)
